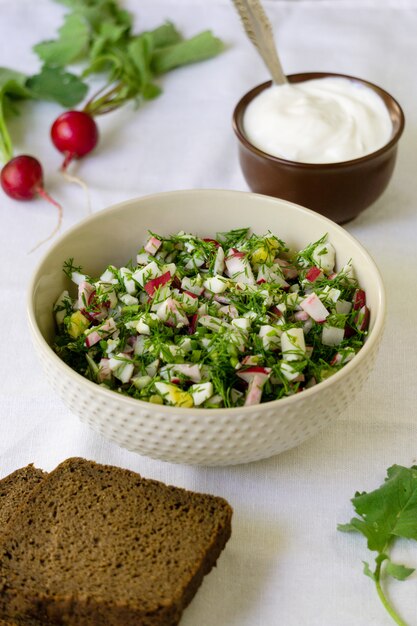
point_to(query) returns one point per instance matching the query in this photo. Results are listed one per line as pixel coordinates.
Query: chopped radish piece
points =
(141, 382)
(324, 256)
(122, 367)
(256, 370)
(213, 323)
(101, 332)
(244, 323)
(270, 336)
(221, 299)
(129, 283)
(104, 371)
(86, 293)
(343, 307)
(109, 276)
(188, 284)
(292, 344)
(229, 310)
(290, 372)
(140, 345)
(219, 265)
(152, 285)
(152, 245)
(313, 274)
(332, 336)
(256, 378)
(191, 371)
(314, 307)
(209, 240)
(359, 299)
(342, 357)
(78, 278)
(288, 270)
(142, 328)
(332, 294)
(239, 269)
(146, 273)
(193, 324)
(191, 294)
(128, 300)
(252, 359)
(201, 392)
(268, 275)
(301, 316)
(216, 284)
(171, 313)
(143, 258)
(362, 319)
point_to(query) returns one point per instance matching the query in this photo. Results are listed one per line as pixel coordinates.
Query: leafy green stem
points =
(5, 141)
(388, 607)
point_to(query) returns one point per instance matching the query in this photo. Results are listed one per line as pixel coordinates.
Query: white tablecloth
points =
(286, 564)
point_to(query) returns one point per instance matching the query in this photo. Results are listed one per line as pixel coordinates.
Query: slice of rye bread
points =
(97, 545)
(14, 490)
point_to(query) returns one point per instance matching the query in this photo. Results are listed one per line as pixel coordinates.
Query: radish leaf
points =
(198, 48)
(54, 83)
(72, 43)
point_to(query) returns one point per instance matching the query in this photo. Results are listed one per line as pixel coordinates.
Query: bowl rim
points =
(166, 410)
(237, 123)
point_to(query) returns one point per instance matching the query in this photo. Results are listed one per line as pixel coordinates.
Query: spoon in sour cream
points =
(259, 30)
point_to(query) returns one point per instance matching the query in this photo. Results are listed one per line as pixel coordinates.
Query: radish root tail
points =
(48, 198)
(70, 178)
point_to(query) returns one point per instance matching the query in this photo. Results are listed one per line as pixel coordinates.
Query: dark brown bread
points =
(14, 489)
(100, 546)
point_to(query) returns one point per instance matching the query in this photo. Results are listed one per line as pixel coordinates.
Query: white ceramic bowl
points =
(199, 436)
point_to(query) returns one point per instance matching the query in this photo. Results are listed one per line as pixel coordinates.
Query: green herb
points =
(384, 515)
(99, 34)
(57, 85)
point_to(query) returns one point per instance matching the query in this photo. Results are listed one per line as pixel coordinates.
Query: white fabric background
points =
(286, 564)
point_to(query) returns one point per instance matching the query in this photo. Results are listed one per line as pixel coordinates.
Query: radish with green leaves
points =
(100, 35)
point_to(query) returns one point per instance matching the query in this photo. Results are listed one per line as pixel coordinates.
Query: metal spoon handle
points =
(259, 30)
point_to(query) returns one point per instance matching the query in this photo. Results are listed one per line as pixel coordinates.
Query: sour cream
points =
(324, 120)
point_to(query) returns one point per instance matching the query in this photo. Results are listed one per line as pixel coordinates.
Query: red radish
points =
(313, 273)
(255, 370)
(104, 372)
(359, 299)
(256, 378)
(190, 293)
(153, 284)
(75, 134)
(214, 241)
(152, 245)
(22, 179)
(193, 324)
(362, 318)
(288, 270)
(276, 311)
(314, 307)
(301, 316)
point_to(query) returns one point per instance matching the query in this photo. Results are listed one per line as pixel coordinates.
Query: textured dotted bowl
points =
(198, 436)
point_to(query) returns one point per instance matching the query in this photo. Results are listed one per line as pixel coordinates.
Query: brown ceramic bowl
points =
(340, 191)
